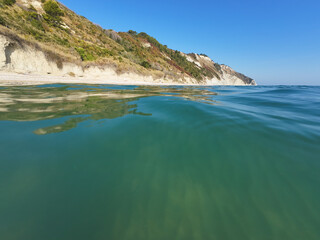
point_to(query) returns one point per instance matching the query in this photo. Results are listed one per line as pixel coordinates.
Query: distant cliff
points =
(45, 37)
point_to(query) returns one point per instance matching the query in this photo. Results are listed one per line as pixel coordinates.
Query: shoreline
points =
(17, 79)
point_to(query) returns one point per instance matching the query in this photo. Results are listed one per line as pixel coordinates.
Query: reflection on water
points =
(84, 102)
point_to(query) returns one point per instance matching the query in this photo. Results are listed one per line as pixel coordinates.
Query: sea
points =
(108, 162)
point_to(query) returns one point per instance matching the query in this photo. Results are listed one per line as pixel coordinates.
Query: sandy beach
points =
(15, 79)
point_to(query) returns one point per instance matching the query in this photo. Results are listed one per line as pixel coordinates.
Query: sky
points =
(274, 42)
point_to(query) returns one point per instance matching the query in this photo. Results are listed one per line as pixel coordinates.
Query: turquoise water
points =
(159, 163)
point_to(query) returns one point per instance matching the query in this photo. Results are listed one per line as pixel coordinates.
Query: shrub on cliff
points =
(145, 64)
(131, 32)
(85, 55)
(52, 8)
(53, 13)
(9, 2)
(35, 20)
(2, 21)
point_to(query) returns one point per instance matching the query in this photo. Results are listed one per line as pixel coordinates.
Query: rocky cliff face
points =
(17, 56)
(222, 74)
(33, 40)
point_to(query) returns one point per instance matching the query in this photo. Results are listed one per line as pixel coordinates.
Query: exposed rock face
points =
(222, 74)
(35, 3)
(237, 78)
(4, 44)
(20, 58)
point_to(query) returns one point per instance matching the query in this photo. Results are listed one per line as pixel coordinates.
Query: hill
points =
(45, 37)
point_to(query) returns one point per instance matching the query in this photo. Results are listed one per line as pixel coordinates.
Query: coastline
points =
(17, 79)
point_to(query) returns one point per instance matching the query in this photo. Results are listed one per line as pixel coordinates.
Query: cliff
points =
(45, 37)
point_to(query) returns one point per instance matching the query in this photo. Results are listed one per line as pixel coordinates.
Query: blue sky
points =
(274, 42)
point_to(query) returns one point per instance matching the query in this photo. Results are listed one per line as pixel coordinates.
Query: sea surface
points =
(109, 162)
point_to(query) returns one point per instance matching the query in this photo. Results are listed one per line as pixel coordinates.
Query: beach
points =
(15, 79)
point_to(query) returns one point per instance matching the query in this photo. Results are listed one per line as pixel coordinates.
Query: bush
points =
(53, 13)
(52, 8)
(145, 64)
(2, 21)
(35, 21)
(9, 2)
(131, 32)
(85, 55)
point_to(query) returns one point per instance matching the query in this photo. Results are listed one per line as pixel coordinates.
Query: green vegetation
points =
(36, 34)
(63, 42)
(131, 32)
(92, 52)
(35, 20)
(85, 54)
(178, 59)
(52, 9)
(2, 21)
(53, 13)
(153, 41)
(9, 2)
(145, 64)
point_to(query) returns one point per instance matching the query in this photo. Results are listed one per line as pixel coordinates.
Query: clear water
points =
(159, 163)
